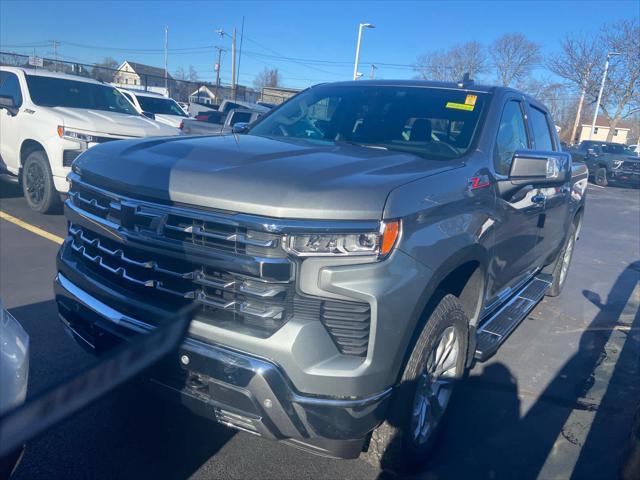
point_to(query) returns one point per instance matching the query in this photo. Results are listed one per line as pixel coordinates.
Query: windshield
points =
(430, 122)
(61, 92)
(616, 148)
(163, 106)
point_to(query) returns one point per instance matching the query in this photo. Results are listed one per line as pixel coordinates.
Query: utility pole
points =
(373, 69)
(54, 44)
(604, 79)
(233, 64)
(240, 55)
(166, 74)
(218, 67)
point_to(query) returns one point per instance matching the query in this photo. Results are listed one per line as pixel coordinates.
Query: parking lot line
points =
(31, 228)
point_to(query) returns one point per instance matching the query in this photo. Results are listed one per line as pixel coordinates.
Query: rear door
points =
(553, 222)
(517, 214)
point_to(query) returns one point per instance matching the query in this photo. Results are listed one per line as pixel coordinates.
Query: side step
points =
(496, 329)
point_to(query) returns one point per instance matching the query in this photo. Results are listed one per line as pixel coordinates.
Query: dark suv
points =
(350, 255)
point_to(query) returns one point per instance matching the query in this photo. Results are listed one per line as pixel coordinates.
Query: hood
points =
(256, 175)
(171, 120)
(111, 123)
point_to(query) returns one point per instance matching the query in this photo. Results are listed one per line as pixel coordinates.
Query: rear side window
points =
(539, 123)
(512, 136)
(10, 86)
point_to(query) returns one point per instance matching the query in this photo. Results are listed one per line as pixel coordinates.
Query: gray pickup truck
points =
(351, 255)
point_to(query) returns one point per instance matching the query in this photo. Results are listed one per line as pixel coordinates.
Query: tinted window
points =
(60, 92)
(616, 148)
(540, 128)
(240, 117)
(215, 117)
(164, 106)
(9, 85)
(428, 122)
(512, 136)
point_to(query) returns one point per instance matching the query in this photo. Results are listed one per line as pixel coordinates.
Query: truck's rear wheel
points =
(600, 177)
(561, 268)
(418, 408)
(37, 183)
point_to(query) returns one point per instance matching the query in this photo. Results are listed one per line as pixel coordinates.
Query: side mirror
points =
(8, 103)
(240, 127)
(540, 167)
(150, 115)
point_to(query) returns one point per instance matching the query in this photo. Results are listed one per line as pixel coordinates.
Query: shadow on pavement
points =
(486, 437)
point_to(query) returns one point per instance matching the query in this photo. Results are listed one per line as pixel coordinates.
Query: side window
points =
(512, 136)
(540, 128)
(10, 86)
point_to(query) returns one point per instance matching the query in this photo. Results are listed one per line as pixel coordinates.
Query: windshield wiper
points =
(361, 144)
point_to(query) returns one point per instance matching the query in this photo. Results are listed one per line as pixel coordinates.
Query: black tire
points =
(393, 445)
(560, 277)
(37, 183)
(600, 177)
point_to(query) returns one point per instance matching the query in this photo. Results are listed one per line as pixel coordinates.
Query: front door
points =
(9, 138)
(518, 213)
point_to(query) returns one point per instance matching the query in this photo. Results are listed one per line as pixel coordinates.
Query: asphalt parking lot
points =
(555, 402)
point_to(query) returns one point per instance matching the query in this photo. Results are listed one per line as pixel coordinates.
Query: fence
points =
(179, 90)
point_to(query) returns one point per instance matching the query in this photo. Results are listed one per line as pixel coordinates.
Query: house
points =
(277, 95)
(212, 95)
(144, 77)
(601, 131)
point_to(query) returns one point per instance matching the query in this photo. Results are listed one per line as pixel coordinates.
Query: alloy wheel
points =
(35, 178)
(435, 386)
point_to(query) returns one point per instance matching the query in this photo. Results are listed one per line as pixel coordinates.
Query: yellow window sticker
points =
(471, 100)
(460, 106)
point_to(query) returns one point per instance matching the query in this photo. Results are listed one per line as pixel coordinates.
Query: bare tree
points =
(621, 94)
(105, 70)
(451, 64)
(513, 57)
(269, 77)
(577, 62)
(193, 74)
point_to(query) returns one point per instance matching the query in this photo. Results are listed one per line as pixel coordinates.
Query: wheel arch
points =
(463, 275)
(28, 146)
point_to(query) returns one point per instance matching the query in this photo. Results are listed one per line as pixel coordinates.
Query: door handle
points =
(539, 198)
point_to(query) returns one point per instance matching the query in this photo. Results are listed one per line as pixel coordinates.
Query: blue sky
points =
(320, 31)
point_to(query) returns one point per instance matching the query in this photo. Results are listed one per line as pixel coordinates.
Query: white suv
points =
(153, 105)
(47, 119)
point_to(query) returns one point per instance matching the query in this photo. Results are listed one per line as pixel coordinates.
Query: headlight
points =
(75, 136)
(617, 164)
(349, 244)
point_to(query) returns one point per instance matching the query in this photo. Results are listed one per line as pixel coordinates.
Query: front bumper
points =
(625, 176)
(234, 388)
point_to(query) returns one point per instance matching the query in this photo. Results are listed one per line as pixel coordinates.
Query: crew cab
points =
(155, 106)
(47, 119)
(608, 162)
(350, 256)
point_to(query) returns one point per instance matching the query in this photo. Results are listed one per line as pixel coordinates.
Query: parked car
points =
(14, 375)
(350, 256)
(155, 106)
(51, 118)
(210, 126)
(608, 162)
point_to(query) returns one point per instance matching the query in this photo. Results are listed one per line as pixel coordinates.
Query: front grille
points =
(68, 156)
(631, 166)
(168, 260)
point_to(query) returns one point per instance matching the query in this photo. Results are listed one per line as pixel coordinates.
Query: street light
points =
(604, 78)
(355, 67)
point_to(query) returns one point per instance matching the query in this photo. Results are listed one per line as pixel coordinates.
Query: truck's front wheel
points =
(600, 177)
(37, 183)
(420, 402)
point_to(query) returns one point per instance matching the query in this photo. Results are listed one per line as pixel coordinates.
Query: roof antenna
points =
(466, 81)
